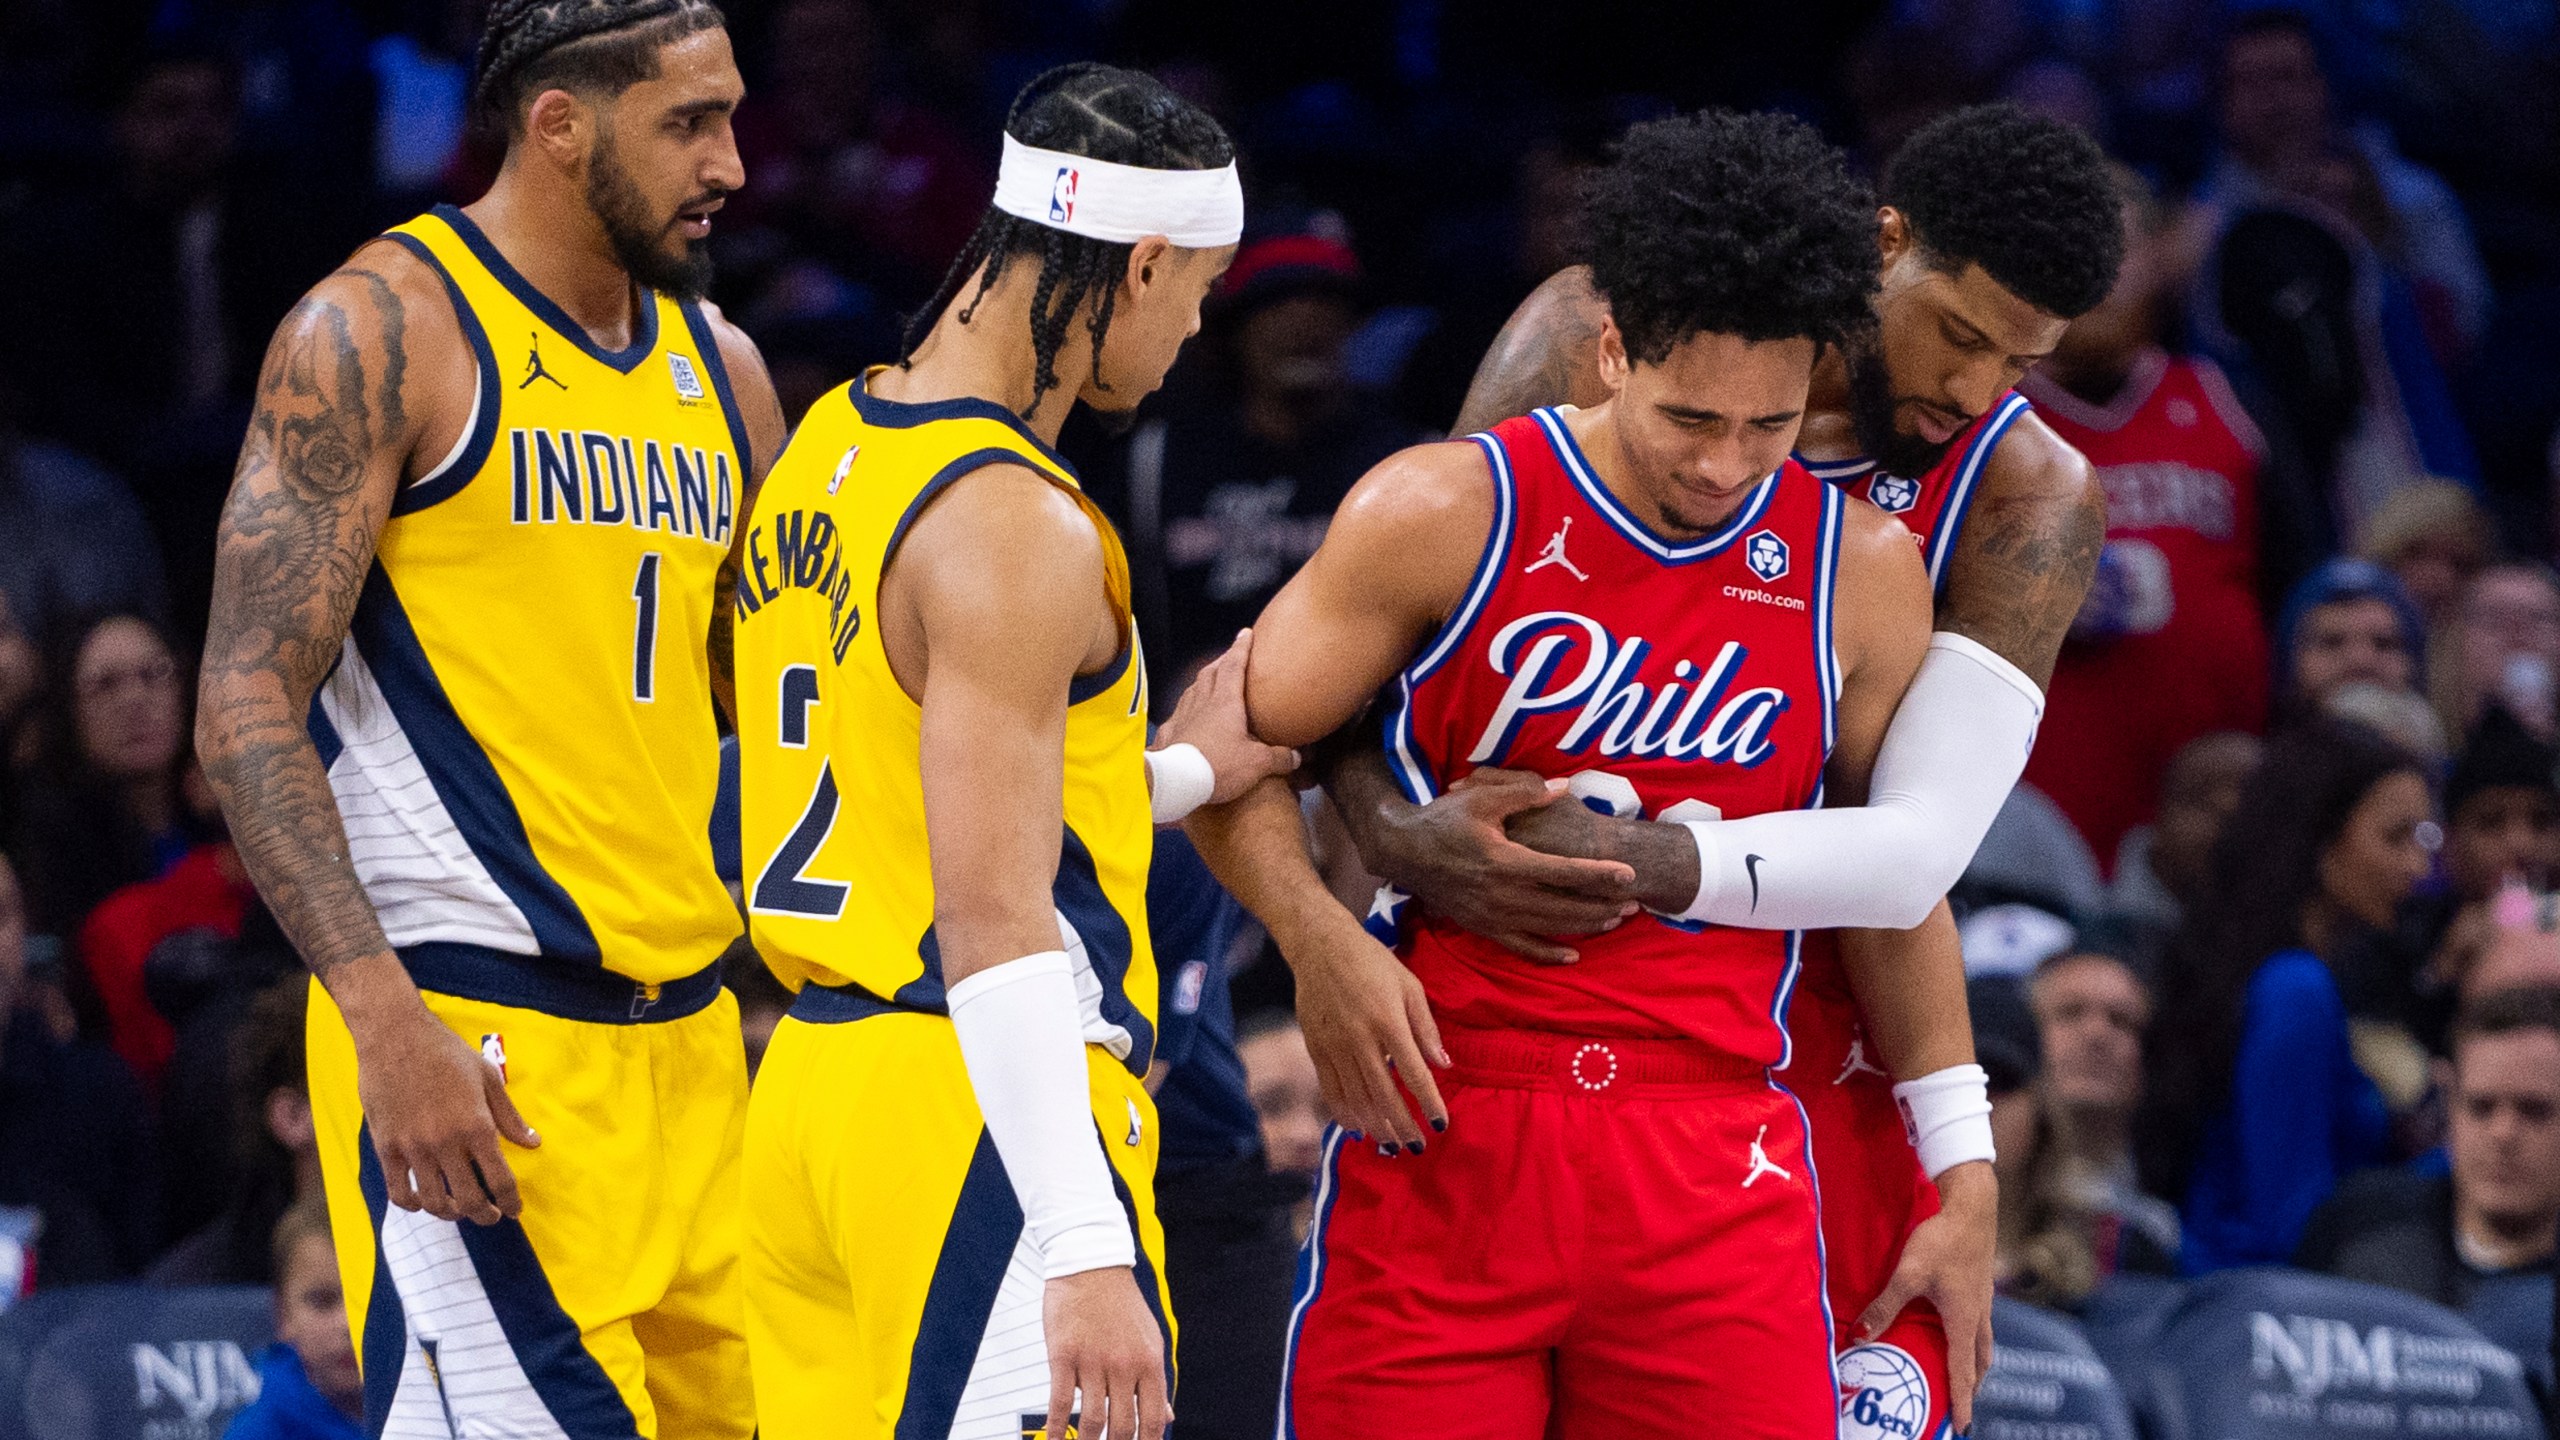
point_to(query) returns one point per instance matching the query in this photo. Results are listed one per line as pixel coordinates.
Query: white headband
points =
(1122, 204)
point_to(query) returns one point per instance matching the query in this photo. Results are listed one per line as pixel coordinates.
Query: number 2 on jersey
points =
(784, 886)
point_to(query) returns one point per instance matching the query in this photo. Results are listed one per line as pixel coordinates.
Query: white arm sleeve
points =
(1955, 748)
(1023, 1046)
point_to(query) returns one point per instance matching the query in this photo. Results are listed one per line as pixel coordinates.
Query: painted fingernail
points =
(1413, 1147)
(1441, 1126)
(1387, 1151)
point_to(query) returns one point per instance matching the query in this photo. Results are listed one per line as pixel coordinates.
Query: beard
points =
(1872, 409)
(637, 236)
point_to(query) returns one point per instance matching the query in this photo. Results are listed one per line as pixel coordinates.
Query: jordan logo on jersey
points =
(1625, 715)
(534, 369)
(1554, 554)
(1761, 1164)
(1892, 494)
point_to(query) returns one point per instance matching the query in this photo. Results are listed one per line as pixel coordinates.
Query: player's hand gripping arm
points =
(337, 419)
(1001, 582)
(1224, 759)
(761, 408)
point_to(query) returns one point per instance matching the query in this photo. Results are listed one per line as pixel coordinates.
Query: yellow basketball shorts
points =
(892, 1293)
(612, 1307)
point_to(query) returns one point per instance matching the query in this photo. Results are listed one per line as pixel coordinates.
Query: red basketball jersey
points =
(1672, 680)
(1932, 506)
(2179, 459)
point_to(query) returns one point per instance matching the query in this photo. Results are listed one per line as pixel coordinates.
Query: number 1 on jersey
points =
(644, 645)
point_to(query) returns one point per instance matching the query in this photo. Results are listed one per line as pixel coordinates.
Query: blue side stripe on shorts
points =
(386, 1329)
(573, 1387)
(986, 1225)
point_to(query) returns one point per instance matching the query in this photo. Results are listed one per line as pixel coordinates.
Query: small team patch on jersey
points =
(1884, 1394)
(1035, 1427)
(688, 381)
(844, 467)
(1894, 495)
(1766, 554)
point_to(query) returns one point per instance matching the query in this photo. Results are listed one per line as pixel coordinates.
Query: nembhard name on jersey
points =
(807, 553)
(587, 477)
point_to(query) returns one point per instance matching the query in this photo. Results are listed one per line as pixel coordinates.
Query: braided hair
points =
(1104, 113)
(607, 46)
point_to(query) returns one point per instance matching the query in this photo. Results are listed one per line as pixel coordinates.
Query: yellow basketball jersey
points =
(831, 800)
(520, 730)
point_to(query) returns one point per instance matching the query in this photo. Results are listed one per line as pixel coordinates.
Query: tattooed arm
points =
(1547, 354)
(762, 409)
(2028, 551)
(368, 372)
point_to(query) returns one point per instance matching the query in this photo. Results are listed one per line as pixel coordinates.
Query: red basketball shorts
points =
(1614, 1239)
(1893, 1386)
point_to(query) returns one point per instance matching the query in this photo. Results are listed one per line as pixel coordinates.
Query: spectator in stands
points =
(1287, 1097)
(2281, 138)
(2504, 646)
(75, 1143)
(842, 167)
(2347, 621)
(2161, 868)
(2435, 536)
(2170, 643)
(276, 1157)
(2497, 1211)
(78, 542)
(143, 296)
(2255, 1108)
(309, 1387)
(106, 804)
(1225, 489)
(2502, 830)
(206, 896)
(2091, 1009)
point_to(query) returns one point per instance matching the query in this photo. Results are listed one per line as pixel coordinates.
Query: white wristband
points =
(1023, 1045)
(1709, 853)
(1179, 781)
(1947, 1116)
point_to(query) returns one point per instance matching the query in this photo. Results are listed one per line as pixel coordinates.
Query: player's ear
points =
(562, 126)
(1614, 363)
(1893, 235)
(1148, 260)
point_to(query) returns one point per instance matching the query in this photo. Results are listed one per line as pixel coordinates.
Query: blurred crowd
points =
(2266, 953)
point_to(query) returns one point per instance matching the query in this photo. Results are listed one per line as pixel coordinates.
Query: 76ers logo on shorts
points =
(1062, 195)
(1892, 494)
(1884, 1394)
(1766, 554)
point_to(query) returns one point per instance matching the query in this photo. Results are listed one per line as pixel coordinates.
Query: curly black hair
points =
(598, 46)
(2028, 199)
(1734, 224)
(1106, 113)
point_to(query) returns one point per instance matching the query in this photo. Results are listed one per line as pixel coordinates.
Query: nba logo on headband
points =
(1119, 204)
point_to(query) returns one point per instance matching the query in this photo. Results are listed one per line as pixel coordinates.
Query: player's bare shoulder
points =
(1417, 523)
(371, 365)
(2028, 550)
